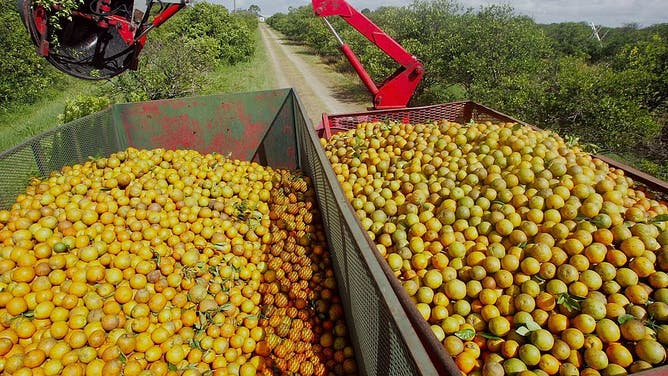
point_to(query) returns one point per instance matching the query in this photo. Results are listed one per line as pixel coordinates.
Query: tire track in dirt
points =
(313, 84)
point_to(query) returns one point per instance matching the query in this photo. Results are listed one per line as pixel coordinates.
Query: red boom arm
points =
(396, 90)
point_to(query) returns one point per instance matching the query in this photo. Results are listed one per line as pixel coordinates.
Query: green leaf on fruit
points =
(652, 323)
(591, 148)
(172, 367)
(226, 307)
(598, 221)
(624, 318)
(465, 334)
(571, 302)
(489, 336)
(660, 218)
(527, 327)
(194, 344)
(571, 140)
(516, 127)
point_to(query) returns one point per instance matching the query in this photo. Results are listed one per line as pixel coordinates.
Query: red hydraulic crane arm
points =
(396, 90)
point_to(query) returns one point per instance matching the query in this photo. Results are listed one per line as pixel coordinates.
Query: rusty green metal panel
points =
(231, 124)
(279, 147)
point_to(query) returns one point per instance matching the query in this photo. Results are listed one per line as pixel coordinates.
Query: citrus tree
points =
(232, 33)
(179, 54)
(25, 75)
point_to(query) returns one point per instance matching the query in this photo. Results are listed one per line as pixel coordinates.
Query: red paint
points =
(253, 131)
(177, 133)
(395, 91)
(357, 66)
(231, 128)
(167, 13)
(291, 152)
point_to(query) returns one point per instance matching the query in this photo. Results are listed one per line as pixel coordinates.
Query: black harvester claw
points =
(96, 42)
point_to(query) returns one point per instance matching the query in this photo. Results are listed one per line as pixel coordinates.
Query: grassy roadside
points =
(32, 119)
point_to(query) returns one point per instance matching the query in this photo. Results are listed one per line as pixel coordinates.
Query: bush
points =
(590, 101)
(236, 42)
(25, 75)
(81, 106)
(168, 70)
(178, 55)
(653, 168)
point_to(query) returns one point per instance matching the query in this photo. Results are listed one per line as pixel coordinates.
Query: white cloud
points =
(606, 12)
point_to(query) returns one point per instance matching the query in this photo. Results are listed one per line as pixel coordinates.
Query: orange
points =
(16, 306)
(633, 247)
(557, 323)
(549, 364)
(618, 354)
(466, 361)
(34, 358)
(637, 294)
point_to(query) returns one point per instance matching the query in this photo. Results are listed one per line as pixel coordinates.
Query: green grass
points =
(253, 75)
(25, 121)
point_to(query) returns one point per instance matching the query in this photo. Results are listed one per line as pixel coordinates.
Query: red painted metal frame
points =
(397, 90)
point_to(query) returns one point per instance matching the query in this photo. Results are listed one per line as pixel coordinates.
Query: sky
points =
(611, 13)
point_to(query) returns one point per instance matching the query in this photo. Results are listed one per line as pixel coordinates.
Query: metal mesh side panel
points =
(449, 111)
(385, 341)
(481, 117)
(92, 136)
(482, 114)
(460, 112)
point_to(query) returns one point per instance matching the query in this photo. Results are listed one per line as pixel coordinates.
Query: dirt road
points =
(320, 89)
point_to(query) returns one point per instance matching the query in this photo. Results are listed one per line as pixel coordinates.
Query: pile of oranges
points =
(153, 262)
(526, 255)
